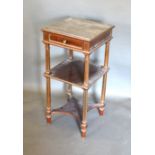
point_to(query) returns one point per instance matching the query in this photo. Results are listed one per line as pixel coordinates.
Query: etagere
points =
(76, 35)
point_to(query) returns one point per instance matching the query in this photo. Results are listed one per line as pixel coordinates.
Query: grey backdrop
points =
(38, 13)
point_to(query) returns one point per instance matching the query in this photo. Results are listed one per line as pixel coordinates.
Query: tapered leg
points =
(106, 59)
(101, 109)
(84, 114)
(48, 85)
(85, 96)
(86, 71)
(69, 86)
(48, 105)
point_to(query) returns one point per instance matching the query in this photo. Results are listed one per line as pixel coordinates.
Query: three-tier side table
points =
(84, 36)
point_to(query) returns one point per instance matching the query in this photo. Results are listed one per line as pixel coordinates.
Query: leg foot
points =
(83, 134)
(101, 112)
(49, 120)
(48, 115)
(83, 130)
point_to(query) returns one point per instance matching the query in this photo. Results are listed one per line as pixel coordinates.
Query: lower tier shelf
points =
(72, 72)
(74, 108)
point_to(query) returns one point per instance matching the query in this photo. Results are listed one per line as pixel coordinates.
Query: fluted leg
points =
(85, 96)
(84, 114)
(48, 84)
(69, 86)
(106, 60)
(101, 109)
(48, 105)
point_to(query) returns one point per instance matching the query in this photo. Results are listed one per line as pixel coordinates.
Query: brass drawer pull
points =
(64, 41)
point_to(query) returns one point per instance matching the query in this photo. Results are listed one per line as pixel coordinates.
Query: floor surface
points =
(106, 135)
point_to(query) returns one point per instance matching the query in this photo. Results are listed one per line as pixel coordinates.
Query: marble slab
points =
(78, 28)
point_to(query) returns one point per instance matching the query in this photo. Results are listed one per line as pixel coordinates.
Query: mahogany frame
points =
(85, 47)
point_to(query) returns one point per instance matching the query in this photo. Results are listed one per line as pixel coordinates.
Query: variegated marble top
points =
(78, 28)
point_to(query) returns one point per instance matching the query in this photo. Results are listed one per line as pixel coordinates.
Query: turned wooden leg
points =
(69, 86)
(101, 109)
(85, 96)
(48, 84)
(106, 59)
(84, 114)
(48, 105)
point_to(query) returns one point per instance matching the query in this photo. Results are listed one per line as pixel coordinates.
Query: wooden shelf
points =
(72, 72)
(73, 107)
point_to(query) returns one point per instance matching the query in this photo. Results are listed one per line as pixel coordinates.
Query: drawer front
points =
(65, 41)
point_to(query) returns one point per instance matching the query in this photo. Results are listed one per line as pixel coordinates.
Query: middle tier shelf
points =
(72, 72)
